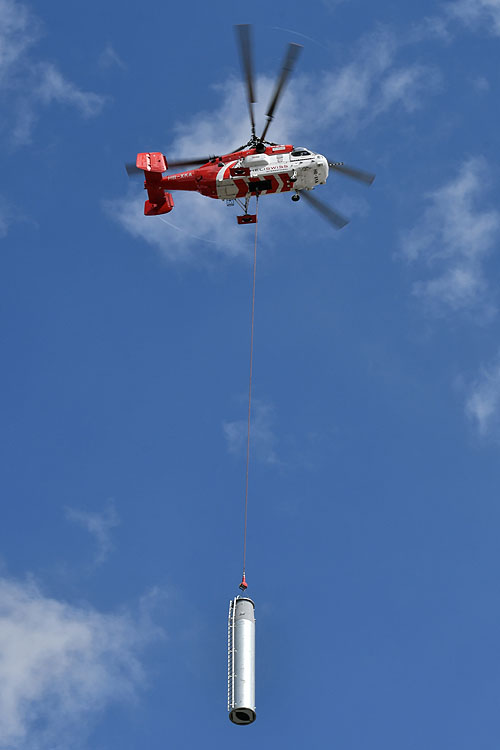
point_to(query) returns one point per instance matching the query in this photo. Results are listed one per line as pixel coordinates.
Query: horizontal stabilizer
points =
(162, 207)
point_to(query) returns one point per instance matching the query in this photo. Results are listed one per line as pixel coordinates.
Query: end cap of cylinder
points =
(241, 715)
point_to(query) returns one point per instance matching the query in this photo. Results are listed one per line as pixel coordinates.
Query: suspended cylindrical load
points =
(241, 661)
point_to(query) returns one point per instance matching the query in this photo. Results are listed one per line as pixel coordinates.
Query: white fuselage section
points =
(284, 172)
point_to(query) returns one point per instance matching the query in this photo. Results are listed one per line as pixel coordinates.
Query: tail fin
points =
(160, 202)
(151, 162)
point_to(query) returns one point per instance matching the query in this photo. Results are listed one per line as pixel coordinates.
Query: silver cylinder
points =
(241, 661)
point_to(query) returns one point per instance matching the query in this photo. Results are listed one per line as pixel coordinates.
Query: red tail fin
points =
(155, 162)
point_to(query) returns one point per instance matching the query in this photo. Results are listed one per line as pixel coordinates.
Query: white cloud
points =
(262, 436)
(483, 403)
(196, 231)
(61, 665)
(53, 87)
(98, 525)
(18, 31)
(453, 238)
(347, 99)
(406, 86)
(480, 84)
(5, 217)
(109, 58)
(10, 214)
(476, 14)
(27, 83)
(369, 86)
(341, 101)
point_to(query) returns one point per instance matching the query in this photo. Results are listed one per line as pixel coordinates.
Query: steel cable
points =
(250, 392)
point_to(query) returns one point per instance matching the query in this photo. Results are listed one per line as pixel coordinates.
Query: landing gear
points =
(296, 197)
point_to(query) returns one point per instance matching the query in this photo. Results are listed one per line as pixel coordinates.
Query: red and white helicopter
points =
(255, 169)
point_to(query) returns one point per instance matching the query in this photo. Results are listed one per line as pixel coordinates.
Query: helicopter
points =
(255, 169)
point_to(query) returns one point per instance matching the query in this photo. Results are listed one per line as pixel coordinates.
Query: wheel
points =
(296, 197)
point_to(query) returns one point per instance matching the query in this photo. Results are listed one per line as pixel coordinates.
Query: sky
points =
(374, 516)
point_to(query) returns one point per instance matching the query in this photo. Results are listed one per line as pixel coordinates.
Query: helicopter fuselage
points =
(236, 176)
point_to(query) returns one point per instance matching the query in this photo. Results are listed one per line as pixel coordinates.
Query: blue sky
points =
(374, 516)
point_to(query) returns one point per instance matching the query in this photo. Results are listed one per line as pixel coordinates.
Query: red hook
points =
(243, 585)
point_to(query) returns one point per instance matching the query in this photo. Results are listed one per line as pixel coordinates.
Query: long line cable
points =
(250, 393)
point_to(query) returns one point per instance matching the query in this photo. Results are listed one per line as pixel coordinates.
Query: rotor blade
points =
(329, 214)
(132, 170)
(355, 174)
(189, 162)
(291, 55)
(243, 34)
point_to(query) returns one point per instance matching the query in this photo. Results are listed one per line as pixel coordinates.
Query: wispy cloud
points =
(61, 665)
(471, 15)
(483, 402)
(53, 87)
(198, 231)
(98, 525)
(347, 99)
(453, 238)
(263, 439)
(10, 214)
(371, 85)
(475, 14)
(5, 217)
(109, 58)
(28, 83)
(19, 30)
(480, 84)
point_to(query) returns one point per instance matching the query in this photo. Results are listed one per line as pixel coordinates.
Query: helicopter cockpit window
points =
(301, 152)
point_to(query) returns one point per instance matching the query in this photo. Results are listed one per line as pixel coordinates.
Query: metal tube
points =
(241, 661)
